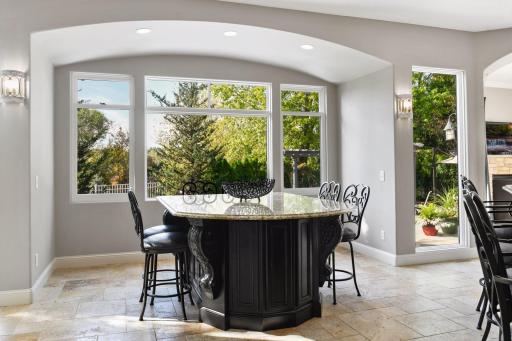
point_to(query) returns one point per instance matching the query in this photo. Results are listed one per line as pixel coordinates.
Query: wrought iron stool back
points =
(330, 190)
(194, 187)
(355, 197)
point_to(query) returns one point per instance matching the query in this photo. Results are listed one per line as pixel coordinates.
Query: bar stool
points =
(355, 197)
(161, 239)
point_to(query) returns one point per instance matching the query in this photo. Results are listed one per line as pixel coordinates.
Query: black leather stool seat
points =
(163, 228)
(502, 231)
(166, 242)
(348, 235)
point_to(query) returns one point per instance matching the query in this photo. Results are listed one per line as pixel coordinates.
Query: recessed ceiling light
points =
(307, 47)
(230, 33)
(143, 30)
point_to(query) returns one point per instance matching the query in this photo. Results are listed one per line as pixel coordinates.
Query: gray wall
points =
(90, 228)
(498, 104)
(402, 44)
(367, 147)
(42, 228)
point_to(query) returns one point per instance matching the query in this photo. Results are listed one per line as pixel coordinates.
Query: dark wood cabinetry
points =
(260, 275)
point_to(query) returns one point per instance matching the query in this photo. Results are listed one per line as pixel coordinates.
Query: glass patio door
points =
(438, 136)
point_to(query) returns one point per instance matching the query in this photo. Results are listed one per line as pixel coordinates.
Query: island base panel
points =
(266, 273)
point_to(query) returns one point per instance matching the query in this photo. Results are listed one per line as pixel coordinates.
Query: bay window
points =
(101, 153)
(303, 120)
(204, 130)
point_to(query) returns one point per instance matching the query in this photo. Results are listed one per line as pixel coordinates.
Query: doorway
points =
(439, 125)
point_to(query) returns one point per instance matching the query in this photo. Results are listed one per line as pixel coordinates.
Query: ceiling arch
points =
(328, 61)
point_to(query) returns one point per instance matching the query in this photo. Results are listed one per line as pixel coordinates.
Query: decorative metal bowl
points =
(249, 189)
(248, 209)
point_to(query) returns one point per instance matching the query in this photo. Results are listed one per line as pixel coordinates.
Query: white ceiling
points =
(466, 15)
(328, 61)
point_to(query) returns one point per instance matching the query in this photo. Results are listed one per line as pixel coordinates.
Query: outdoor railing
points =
(153, 189)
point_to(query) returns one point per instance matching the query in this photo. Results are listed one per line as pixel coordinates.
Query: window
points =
(101, 111)
(303, 117)
(204, 130)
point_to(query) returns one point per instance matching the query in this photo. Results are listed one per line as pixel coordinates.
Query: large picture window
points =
(303, 117)
(204, 130)
(101, 110)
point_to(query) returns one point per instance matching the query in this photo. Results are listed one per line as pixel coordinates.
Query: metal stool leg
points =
(182, 296)
(145, 287)
(329, 280)
(482, 313)
(486, 331)
(354, 268)
(187, 277)
(176, 256)
(155, 268)
(333, 278)
(479, 305)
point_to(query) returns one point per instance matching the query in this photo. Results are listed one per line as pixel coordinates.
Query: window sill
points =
(310, 192)
(99, 198)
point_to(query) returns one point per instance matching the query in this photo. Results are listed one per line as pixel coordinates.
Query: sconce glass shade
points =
(404, 106)
(12, 85)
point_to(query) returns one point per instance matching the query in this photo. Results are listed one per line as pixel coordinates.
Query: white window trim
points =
(462, 152)
(99, 198)
(152, 110)
(322, 113)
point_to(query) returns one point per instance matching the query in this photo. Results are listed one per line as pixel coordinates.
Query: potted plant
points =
(428, 213)
(449, 210)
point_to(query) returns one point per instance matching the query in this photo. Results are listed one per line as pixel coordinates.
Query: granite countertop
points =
(274, 206)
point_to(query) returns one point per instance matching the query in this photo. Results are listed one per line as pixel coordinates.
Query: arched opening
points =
(278, 63)
(498, 124)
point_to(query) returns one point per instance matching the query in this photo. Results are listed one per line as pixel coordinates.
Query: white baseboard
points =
(437, 255)
(43, 277)
(372, 252)
(420, 257)
(98, 260)
(15, 297)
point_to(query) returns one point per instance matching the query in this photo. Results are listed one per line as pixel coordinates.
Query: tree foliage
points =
(434, 100)
(102, 156)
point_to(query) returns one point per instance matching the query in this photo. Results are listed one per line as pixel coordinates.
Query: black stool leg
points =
(480, 300)
(176, 257)
(333, 278)
(329, 280)
(187, 273)
(181, 295)
(354, 268)
(155, 268)
(145, 287)
(506, 331)
(482, 313)
(486, 331)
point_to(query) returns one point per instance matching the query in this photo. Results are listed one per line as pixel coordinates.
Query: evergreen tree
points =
(93, 127)
(186, 153)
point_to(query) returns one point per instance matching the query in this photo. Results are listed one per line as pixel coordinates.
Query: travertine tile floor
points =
(426, 302)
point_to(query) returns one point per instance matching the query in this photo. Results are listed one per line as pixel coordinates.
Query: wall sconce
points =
(12, 86)
(404, 107)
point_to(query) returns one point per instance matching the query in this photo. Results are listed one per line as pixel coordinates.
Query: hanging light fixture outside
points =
(449, 130)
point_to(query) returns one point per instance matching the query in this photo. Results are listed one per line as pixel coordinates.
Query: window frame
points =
(322, 113)
(158, 110)
(74, 106)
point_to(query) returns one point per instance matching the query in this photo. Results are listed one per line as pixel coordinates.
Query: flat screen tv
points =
(499, 138)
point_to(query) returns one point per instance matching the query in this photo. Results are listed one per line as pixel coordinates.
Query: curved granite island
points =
(258, 265)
